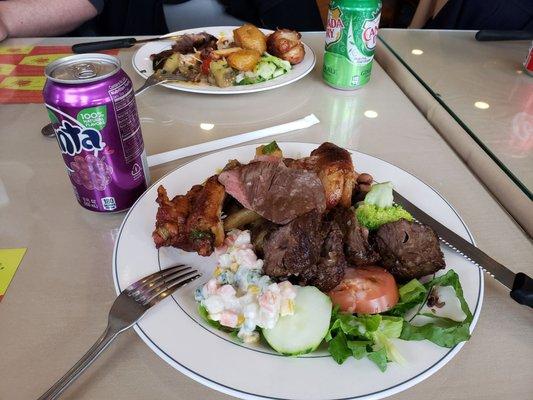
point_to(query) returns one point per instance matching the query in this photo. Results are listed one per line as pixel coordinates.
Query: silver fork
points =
(128, 308)
(158, 78)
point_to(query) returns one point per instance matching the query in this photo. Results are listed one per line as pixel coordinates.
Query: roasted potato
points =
(250, 38)
(243, 60)
(224, 52)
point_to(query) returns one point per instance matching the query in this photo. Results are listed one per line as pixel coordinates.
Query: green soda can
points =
(351, 36)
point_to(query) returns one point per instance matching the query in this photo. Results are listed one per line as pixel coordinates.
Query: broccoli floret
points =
(380, 195)
(372, 217)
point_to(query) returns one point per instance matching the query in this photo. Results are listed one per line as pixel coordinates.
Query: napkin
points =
(161, 158)
(9, 262)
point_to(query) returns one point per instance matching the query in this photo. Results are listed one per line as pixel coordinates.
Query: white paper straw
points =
(161, 158)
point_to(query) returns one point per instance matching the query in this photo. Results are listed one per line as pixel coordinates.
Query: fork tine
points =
(148, 293)
(156, 281)
(165, 293)
(147, 280)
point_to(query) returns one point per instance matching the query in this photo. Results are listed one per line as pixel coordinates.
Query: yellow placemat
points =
(9, 262)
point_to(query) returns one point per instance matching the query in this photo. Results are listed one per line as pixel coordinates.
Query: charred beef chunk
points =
(192, 42)
(409, 250)
(293, 248)
(329, 271)
(274, 191)
(357, 249)
(306, 251)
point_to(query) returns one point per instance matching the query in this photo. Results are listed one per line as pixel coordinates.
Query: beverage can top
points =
(82, 68)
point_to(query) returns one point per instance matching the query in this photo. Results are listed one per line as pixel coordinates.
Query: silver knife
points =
(520, 284)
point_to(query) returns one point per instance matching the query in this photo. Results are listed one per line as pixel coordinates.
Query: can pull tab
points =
(85, 71)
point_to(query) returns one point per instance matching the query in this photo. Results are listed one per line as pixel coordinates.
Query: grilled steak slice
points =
(274, 191)
(307, 250)
(334, 167)
(409, 250)
(357, 249)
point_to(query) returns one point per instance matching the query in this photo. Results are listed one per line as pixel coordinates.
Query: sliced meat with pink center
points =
(274, 191)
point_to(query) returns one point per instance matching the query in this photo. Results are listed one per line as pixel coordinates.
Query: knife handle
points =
(486, 35)
(91, 47)
(523, 289)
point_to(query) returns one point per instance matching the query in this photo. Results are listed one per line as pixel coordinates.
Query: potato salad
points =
(239, 295)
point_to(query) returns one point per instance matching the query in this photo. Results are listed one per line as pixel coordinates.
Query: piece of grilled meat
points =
(307, 251)
(408, 249)
(357, 249)
(192, 42)
(334, 167)
(274, 191)
(191, 222)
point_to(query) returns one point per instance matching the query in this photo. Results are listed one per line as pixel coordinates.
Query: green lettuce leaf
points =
(358, 348)
(364, 335)
(338, 348)
(411, 294)
(442, 331)
(379, 358)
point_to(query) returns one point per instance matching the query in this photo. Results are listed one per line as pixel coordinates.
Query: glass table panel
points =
(483, 85)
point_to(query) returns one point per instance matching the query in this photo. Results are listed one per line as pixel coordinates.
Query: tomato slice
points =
(205, 65)
(365, 290)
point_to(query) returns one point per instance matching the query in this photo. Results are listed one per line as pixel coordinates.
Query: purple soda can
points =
(91, 104)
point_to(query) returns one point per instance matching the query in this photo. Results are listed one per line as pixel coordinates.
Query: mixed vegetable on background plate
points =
(250, 57)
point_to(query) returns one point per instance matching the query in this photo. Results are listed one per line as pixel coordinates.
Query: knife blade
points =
(520, 284)
(122, 43)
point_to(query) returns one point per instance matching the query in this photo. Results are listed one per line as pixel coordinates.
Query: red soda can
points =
(91, 104)
(528, 63)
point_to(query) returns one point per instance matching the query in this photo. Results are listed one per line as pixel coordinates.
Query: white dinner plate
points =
(175, 331)
(143, 65)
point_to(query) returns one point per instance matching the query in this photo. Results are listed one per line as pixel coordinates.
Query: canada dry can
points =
(91, 104)
(351, 35)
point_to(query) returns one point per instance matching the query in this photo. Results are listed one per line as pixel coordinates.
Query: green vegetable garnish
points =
(441, 331)
(364, 335)
(267, 68)
(198, 235)
(372, 217)
(378, 208)
(411, 294)
(380, 195)
(270, 148)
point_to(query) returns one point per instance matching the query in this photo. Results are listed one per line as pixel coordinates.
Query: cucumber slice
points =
(303, 331)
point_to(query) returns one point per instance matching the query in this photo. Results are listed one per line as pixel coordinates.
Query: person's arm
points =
(23, 18)
(426, 9)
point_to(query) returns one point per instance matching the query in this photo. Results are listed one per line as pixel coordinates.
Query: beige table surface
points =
(57, 303)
